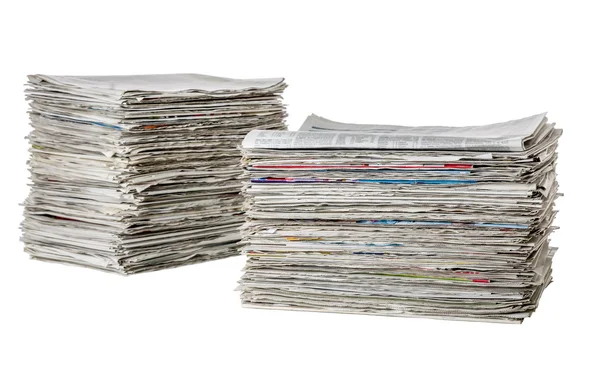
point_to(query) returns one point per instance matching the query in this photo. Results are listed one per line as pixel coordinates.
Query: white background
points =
(447, 63)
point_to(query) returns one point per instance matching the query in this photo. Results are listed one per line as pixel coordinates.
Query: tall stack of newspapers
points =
(138, 173)
(438, 222)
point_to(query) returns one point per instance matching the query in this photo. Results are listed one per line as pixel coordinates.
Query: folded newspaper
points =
(438, 222)
(137, 173)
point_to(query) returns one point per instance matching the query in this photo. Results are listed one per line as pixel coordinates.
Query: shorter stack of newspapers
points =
(438, 222)
(137, 173)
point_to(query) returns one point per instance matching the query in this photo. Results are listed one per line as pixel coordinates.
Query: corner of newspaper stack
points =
(437, 222)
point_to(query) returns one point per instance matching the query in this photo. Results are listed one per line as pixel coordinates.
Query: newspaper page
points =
(318, 132)
(159, 83)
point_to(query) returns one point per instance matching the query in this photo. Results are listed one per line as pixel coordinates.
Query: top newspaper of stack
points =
(317, 132)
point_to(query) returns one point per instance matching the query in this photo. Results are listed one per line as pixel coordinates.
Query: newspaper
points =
(341, 221)
(156, 85)
(139, 173)
(318, 132)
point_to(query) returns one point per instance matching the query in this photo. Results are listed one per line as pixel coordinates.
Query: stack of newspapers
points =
(137, 173)
(438, 222)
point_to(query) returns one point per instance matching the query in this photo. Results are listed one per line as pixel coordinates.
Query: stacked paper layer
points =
(439, 222)
(136, 173)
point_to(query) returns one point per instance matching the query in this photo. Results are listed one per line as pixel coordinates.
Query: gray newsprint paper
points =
(437, 222)
(318, 132)
(140, 173)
